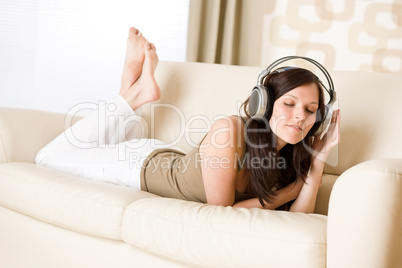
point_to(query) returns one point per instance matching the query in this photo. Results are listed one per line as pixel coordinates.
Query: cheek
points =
(279, 112)
(278, 118)
(311, 120)
(309, 124)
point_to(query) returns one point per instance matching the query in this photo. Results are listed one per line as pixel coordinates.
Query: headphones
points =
(262, 98)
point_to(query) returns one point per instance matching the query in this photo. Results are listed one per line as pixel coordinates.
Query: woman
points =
(242, 147)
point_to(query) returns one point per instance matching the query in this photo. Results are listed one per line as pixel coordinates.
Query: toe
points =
(150, 48)
(134, 30)
(147, 47)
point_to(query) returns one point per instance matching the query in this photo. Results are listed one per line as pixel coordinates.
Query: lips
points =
(295, 127)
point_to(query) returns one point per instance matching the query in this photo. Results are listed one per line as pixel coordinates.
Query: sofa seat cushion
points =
(217, 236)
(70, 202)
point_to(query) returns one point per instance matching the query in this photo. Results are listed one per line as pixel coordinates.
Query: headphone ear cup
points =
(270, 103)
(326, 120)
(261, 102)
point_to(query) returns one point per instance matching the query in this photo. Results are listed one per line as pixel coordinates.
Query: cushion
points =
(71, 202)
(217, 236)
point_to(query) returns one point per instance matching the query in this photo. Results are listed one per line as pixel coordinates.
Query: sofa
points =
(52, 219)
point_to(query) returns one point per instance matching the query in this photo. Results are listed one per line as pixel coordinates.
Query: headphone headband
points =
(330, 89)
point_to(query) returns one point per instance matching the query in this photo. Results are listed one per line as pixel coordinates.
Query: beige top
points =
(171, 173)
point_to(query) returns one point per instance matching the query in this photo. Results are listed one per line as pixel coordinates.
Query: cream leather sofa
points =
(51, 219)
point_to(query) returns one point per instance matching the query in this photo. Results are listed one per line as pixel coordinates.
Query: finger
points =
(338, 126)
(332, 123)
(337, 133)
(338, 121)
(335, 115)
(339, 118)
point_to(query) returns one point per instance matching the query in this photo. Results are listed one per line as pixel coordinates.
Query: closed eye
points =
(292, 105)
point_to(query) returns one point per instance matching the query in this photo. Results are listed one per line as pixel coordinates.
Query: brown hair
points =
(293, 160)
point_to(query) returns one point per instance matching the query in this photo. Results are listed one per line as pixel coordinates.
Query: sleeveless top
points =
(171, 173)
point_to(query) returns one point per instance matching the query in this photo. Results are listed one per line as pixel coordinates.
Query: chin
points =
(291, 137)
(293, 140)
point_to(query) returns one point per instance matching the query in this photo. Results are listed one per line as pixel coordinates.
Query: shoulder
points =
(226, 133)
(230, 123)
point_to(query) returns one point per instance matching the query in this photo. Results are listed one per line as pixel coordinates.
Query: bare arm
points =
(219, 171)
(283, 196)
(305, 202)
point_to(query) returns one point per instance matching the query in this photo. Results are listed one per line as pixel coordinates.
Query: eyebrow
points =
(298, 99)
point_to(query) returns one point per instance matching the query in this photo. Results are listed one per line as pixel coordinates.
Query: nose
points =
(300, 114)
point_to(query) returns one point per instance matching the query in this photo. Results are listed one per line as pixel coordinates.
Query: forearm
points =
(283, 196)
(305, 201)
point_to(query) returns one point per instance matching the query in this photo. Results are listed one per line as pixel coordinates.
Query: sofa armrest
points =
(365, 216)
(24, 132)
(216, 236)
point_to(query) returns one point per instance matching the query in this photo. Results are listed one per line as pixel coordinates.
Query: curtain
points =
(347, 35)
(226, 31)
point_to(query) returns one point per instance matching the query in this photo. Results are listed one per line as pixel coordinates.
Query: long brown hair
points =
(293, 160)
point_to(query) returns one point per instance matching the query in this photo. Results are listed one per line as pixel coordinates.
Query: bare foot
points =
(145, 89)
(135, 56)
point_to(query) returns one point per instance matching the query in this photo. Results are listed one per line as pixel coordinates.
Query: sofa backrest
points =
(194, 95)
(371, 114)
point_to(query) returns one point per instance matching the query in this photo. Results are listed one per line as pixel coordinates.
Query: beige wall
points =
(342, 34)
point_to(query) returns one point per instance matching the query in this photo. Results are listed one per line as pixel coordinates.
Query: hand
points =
(322, 147)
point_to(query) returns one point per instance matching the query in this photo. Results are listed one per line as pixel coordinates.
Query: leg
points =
(119, 165)
(145, 89)
(101, 155)
(114, 121)
(134, 60)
